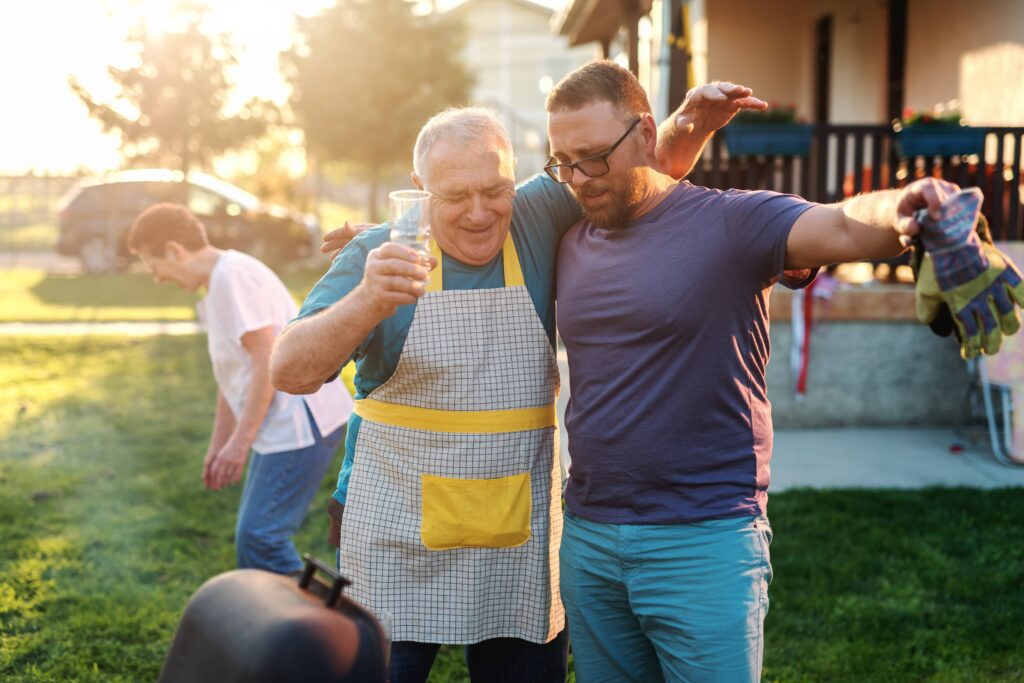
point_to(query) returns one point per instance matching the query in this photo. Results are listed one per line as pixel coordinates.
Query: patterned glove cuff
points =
(955, 227)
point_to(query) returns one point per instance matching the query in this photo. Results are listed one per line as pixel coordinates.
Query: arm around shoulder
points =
(706, 109)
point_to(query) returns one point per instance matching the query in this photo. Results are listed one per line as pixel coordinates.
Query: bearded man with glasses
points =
(663, 307)
(596, 166)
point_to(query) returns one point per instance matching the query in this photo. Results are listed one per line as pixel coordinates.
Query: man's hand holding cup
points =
(395, 275)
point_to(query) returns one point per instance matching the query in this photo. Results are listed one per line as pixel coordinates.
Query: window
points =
(202, 202)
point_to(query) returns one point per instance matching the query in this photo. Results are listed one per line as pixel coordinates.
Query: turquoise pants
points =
(680, 602)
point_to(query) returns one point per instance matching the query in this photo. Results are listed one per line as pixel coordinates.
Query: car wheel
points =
(98, 255)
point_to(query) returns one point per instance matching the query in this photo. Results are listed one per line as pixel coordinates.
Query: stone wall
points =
(868, 374)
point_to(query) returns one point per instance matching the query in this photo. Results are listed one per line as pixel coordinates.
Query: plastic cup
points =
(410, 219)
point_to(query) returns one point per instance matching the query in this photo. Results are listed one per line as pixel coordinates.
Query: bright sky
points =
(44, 127)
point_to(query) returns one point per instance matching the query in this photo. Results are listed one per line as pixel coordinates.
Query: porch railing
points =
(847, 160)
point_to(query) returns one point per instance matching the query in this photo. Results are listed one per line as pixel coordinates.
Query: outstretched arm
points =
(875, 225)
(706, 109)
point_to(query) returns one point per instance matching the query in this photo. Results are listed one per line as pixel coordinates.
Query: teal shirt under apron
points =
(543, 211)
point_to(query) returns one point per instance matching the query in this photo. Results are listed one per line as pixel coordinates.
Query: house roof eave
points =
(588, 21)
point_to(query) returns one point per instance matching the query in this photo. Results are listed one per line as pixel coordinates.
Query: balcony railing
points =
(847, 160)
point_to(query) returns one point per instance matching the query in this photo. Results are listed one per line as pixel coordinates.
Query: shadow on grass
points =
(121, 290)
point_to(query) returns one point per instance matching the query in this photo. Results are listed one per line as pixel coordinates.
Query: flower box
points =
(942, 141)
(788, 139)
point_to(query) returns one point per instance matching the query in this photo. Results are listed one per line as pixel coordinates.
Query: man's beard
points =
(617, 214)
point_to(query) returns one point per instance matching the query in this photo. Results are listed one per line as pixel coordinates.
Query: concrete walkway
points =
(884, 458)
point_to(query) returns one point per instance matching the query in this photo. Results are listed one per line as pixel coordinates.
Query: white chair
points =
(998, 418)
(1002, 376)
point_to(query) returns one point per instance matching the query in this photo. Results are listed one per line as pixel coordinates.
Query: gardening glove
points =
(942, 323)
(980, 286)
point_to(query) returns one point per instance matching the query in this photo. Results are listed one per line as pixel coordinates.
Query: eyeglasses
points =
(592, 167)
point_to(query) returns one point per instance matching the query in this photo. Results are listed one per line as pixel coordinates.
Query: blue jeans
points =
(671, 602)
(279, 488)
(499, 660)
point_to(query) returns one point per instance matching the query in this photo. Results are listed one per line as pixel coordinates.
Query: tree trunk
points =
(186, 163)
(373, 183)
(313, 163)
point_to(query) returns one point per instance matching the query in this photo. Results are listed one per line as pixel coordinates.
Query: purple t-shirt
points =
(666, 327)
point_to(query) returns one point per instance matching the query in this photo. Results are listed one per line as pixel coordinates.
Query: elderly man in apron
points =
(453, 508)
(452, 480)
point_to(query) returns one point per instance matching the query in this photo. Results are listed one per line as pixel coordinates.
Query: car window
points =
(203, 202)
(113, 197)
(137, 197)
(157, 192)
(231, 193)
(85, 199)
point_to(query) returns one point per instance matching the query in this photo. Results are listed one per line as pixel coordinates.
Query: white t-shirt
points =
(245, 295)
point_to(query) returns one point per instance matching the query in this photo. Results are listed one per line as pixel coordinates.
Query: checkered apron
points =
(472, 398)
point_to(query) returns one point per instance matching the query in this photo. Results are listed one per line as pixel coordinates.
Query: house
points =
(517, 60)
(861, 61)
(838, 61)
(849, 67)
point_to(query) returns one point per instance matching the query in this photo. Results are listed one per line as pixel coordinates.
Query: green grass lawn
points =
(28, 295)
(31, 237)
(106, 531)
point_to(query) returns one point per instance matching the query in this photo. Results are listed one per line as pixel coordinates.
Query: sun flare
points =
(49, 130)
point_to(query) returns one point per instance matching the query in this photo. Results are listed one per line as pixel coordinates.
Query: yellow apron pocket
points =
(475, 513)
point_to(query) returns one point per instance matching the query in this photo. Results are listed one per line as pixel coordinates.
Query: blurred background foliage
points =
(170, 107)
(408, 69)
(364, 76)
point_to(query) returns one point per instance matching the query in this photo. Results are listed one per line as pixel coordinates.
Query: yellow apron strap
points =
(509, 258)
(457, 421)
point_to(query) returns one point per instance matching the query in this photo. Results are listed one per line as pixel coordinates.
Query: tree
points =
(171, 106)
(269, 171)
(366, 75)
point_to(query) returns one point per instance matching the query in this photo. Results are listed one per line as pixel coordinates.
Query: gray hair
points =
(463, 126)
